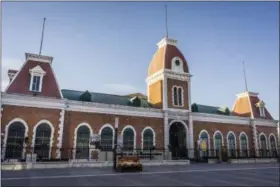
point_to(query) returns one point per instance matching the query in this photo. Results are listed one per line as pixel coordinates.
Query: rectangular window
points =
(262, 112)
(36, 83)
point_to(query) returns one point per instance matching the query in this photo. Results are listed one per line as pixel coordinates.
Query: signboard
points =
(95, 138)
(120, 141)
(203, 145)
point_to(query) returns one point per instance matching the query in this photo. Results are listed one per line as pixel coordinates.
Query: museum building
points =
(36, 113)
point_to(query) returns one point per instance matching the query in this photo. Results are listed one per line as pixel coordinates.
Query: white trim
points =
(209, 144)
(6, 135)
(259, 139)
(134, 131)
(269, 142)
(216, 132)
(247, 140)
(174, 67)
(113, 130)
(235, 145)
(182, 96)
(166, 41)
(60, 133)
(52, 103)
(38, 58)
(75, 137)
(246, 94)
(142, 136)
(51, 137)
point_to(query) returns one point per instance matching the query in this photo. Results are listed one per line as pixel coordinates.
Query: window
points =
(177, 96)
(180, 96)
(263, 148)
(272, 147)
(82, 142)
(231, 144)
(243, 145)
(42, 141)
(204, 144)
(36, 83)
(148, 139)
(107, 139)
(262, 112)
(15, 140)
(128, 139)
(218, 142)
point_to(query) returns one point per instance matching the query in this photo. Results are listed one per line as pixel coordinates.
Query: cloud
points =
(8, 63)
(120, 88)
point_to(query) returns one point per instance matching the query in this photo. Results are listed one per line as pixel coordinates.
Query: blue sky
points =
(107, 46)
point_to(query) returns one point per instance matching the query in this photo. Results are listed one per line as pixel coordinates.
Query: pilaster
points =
(60, 133)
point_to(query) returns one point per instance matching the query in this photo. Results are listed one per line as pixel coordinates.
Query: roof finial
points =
(244, 71)
(166, 28)
(42, 37)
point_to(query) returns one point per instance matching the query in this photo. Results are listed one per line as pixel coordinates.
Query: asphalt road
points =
(192, 175)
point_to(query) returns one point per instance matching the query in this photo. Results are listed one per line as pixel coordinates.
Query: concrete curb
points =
(79, 164)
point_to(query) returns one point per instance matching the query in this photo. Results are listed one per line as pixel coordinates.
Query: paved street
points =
(192, 175)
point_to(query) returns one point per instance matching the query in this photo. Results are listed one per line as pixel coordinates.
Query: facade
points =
(38, 115)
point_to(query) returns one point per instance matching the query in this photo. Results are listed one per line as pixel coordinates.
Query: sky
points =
(107, 46)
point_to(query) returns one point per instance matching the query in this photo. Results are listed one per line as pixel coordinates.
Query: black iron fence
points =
(66, 154)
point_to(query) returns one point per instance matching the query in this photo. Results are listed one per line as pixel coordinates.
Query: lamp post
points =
(115, 143)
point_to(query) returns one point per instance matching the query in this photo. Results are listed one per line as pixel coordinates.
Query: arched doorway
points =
(178, 141)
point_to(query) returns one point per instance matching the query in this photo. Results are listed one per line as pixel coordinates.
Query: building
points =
(37, 113)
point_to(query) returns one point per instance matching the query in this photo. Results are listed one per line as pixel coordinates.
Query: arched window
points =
(180, 97)
(42, 141)
(204, 143)
(15, 141)
(263, 147)
(128, 139)
(175, 96)
(263, 142)
(218, 139)
(243, 145)
(82, 142)
(107, 139)
(273, 147)
(148, 139)
(231, 144)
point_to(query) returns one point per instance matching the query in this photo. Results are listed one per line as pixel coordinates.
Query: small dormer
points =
(135, 101)
(36, 80)
(261, 106)
(177, 65)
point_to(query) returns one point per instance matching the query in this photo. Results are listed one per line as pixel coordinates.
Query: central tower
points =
(168, 81)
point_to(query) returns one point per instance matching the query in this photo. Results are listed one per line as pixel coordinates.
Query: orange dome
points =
(167, 54)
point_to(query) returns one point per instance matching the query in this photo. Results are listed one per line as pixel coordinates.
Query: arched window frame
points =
(228, 143)
(75, 137)
(240, 143)
(142, 136)
(113, 134)
(6, 136)
(134, 132)
(51, 136)
(177, 98)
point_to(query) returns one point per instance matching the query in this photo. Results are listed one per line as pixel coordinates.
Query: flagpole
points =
(42, 37)
(245, 79)
(166, 27)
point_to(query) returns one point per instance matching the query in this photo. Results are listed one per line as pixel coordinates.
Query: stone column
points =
(60, 134)
(255, 138)
(191, 140)
(166, 135)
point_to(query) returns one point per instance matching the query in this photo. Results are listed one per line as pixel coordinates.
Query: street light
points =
(115, 143)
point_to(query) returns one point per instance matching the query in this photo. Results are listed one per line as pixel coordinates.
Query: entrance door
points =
(177, 141)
